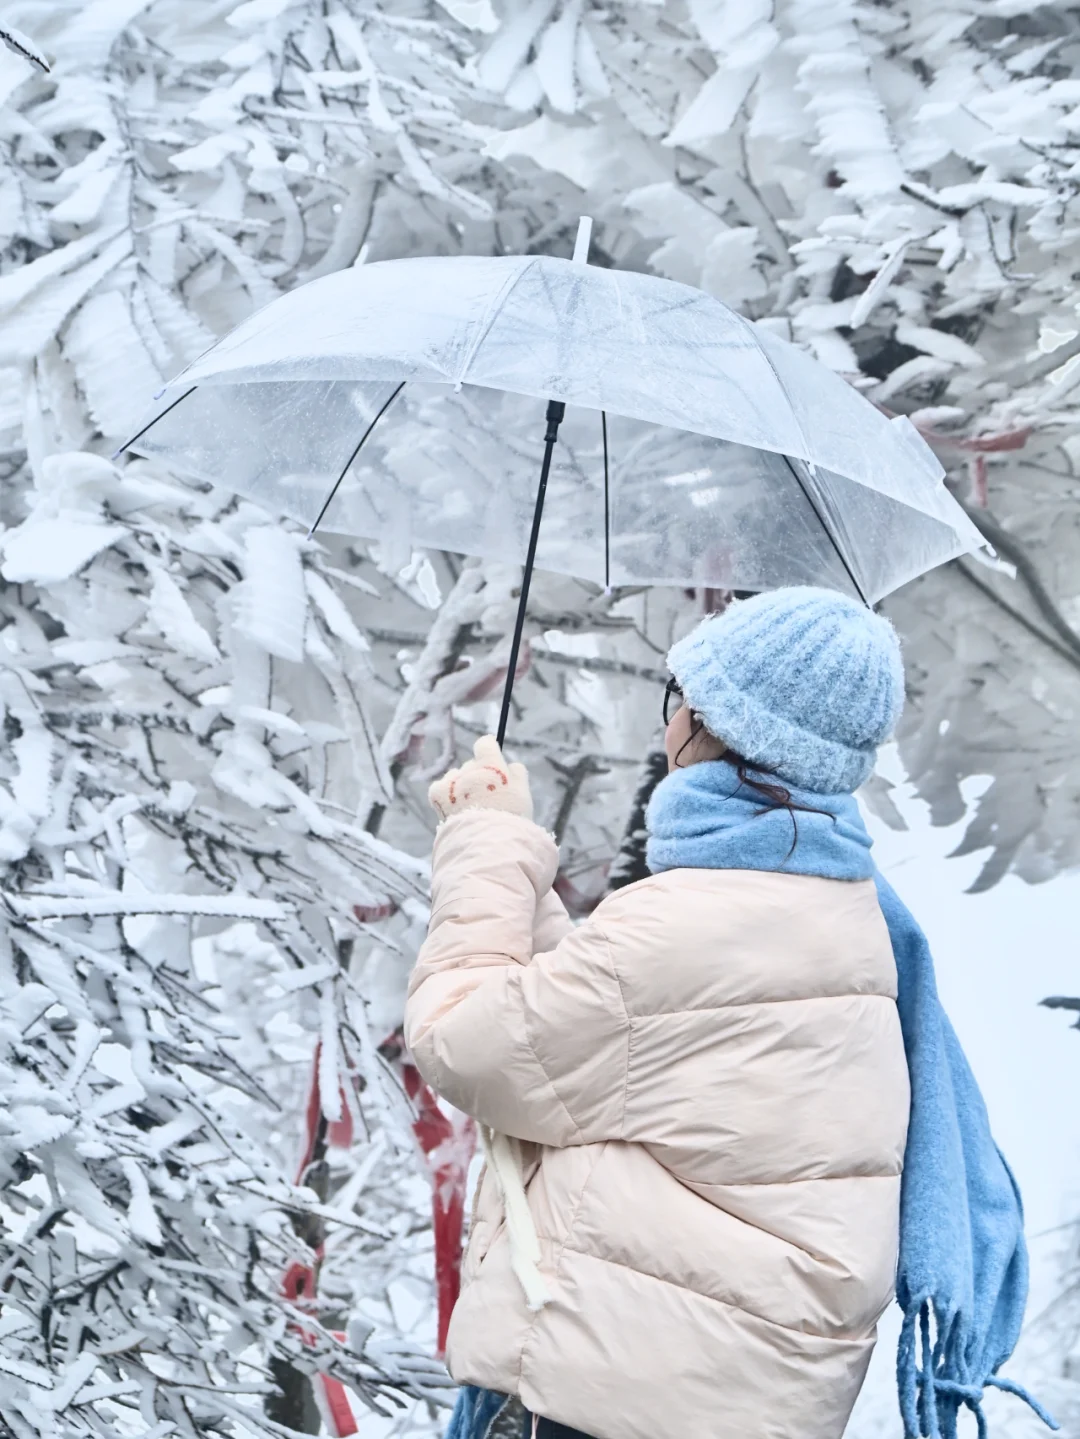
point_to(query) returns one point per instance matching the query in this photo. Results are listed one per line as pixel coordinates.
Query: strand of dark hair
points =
(776, 794)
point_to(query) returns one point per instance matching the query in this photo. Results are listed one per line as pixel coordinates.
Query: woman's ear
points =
(687, 741)
(705, 746)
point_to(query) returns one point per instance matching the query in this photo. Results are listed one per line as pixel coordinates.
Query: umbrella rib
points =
(139, 433)
(348, 463)
(607, 506)
(824, 523)
(491, 315)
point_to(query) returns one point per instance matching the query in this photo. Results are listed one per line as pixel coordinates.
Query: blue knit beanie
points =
(801, 681)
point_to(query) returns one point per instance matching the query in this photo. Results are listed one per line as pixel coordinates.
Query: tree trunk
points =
(294, 1406)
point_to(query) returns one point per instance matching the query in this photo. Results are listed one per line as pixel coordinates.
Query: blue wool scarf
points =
(962, 1274)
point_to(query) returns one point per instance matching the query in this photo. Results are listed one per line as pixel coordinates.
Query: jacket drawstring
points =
(504, 1158)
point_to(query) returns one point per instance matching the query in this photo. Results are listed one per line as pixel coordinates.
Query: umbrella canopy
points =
(398, 401)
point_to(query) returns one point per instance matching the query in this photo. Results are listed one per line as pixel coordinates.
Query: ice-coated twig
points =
(22, 45)
(233, 907)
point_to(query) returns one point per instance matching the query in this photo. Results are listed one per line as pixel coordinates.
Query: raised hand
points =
(485, 782)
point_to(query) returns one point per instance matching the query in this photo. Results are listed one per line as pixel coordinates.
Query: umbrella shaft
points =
(555, 412)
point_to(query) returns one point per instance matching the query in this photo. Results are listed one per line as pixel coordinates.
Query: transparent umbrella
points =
(683, 444)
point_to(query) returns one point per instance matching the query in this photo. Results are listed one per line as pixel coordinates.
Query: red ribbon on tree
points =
(447, 1143)
(300, 1280)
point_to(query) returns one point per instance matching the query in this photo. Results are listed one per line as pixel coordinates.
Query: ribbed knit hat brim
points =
(800, 681)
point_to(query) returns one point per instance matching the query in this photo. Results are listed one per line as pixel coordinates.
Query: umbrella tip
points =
(581, 244)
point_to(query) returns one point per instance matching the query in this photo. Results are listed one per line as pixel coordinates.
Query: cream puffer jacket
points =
(710, 1078)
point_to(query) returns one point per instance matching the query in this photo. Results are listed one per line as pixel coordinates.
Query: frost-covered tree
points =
(893, 186)
(217, 734)
(163, 784)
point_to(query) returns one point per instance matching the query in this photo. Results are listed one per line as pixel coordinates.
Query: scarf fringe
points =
(933, 1393)
(475, 1413)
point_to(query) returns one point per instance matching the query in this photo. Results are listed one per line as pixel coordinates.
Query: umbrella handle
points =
(555, 412)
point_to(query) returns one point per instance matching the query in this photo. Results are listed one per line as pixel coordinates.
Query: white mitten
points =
(486, 782)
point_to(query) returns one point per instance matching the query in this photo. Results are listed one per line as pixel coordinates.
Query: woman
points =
(693, 1226)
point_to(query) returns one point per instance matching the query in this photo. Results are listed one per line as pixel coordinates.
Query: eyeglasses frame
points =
(672, 688)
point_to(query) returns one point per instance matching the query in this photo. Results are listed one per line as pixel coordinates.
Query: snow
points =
(21, 44)
(170, 612)
(272, 605)
(54, 549)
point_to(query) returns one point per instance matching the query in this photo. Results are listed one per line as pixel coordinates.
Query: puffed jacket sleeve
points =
(532, 1045)
(552, 923)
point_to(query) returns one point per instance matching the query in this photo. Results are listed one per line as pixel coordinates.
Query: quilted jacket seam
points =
(711, 1299)
(778, 1183)
(603, 934)
(548, 1079)
(755, 1003)
(557, 1258)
